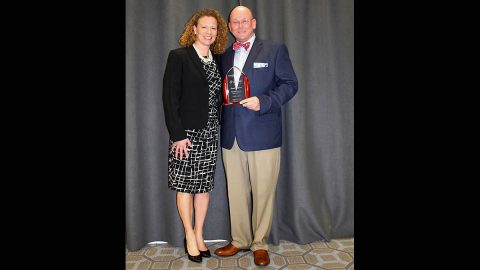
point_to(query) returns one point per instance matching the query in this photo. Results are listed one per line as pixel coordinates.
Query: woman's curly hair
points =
(188, 37)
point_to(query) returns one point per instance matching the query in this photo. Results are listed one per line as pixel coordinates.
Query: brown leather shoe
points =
(228, 250)
(261, 257)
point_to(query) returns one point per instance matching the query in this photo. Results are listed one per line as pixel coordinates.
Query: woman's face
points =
(206, 30)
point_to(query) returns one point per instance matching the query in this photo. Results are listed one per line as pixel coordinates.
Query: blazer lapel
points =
(256, 48)
(197, 62)
(229, 56)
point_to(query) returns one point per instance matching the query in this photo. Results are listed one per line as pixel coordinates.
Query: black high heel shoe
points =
(205, 253)
(197, 258)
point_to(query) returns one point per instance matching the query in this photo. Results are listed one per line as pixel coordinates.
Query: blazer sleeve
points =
(286, 83)
(172, 87)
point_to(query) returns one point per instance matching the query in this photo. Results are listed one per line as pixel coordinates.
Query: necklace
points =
(204, 58)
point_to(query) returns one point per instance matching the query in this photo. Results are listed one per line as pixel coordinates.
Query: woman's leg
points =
(201, 207)
(185, 209)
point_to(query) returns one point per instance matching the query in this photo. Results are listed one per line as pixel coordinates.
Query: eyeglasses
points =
(244, 22)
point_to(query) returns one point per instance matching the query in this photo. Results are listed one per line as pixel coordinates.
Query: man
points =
(251, 134)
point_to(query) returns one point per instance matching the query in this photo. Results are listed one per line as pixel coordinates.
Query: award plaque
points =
(231, 94)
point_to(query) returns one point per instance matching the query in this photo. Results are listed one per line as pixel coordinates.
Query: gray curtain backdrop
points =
(315, 192)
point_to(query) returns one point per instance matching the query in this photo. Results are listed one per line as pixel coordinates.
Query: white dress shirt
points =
(240, 58)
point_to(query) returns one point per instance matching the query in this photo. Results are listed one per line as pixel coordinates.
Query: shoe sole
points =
(241, 250)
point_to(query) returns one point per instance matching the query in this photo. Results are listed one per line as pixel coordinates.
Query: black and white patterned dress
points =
(195, 174)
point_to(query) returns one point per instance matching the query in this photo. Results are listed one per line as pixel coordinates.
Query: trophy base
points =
(231, 103)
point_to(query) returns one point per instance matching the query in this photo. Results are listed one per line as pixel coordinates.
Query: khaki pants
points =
(255, 172)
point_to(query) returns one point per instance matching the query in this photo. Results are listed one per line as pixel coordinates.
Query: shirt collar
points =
(251, 40)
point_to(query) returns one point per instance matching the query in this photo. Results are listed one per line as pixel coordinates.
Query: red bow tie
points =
(237, 45)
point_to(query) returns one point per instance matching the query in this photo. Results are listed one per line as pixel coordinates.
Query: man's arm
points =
(286, 83)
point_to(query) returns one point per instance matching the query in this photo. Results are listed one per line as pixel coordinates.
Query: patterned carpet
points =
(336, 254)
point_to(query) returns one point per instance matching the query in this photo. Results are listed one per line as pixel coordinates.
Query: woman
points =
(191, 100)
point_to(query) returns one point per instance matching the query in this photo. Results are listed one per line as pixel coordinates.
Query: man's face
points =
(242, 24)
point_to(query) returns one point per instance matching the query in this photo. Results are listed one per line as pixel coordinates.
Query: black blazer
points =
(185, 93)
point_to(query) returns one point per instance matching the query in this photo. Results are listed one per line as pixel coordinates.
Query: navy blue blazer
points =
(273, 80)
(185, 93)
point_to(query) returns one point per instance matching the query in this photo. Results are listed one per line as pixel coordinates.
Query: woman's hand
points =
(180, 147)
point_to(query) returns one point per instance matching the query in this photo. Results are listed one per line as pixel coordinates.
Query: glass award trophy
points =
(231, 94)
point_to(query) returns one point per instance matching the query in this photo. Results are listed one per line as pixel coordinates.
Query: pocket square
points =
(260, 65)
